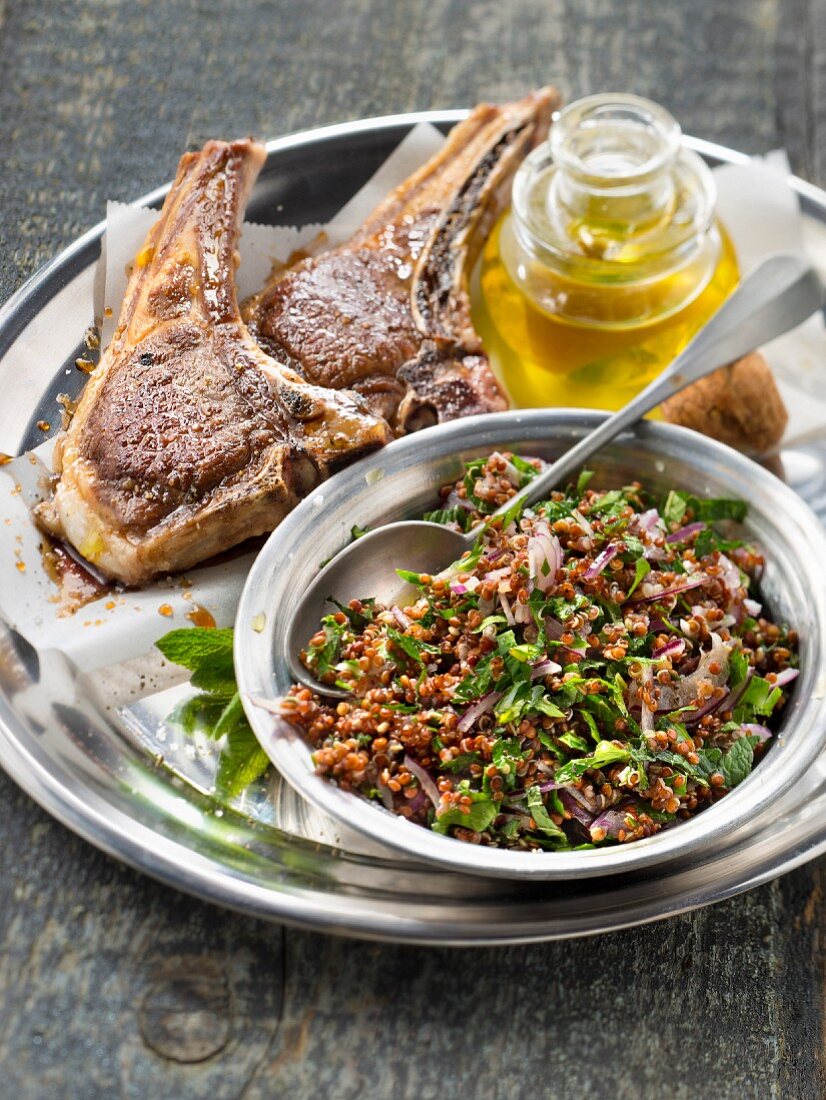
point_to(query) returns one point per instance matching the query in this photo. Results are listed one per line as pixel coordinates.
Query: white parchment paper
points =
(755, 203)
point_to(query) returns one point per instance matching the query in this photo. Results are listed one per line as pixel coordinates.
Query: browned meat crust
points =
(388, 313)
(189, 438)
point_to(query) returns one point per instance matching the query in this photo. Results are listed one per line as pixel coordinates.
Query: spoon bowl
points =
(368, 567)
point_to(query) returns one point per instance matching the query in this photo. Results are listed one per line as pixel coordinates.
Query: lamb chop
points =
(388, 313)
(189, 438)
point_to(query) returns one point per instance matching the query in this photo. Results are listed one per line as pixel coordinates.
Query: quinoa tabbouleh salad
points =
(595, 670)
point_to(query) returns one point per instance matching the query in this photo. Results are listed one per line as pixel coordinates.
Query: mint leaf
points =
(605, 753)
(738, 667)
(198, 714)
(461, 762)
(324, 655)
(541, 816)
(641, 570)
(713, 509)
(411, 578)
(230, 718)
(527, 652)
(217, 676)
(217, 712)
(706, 509)
(590, 723)
(192, 646)
(574, 741)
(411, 646)
(491, 620)
(242, 761)
(738, 761)
(759, 698)
(481, 815)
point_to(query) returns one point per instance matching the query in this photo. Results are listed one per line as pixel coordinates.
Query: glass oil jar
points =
(608, 261)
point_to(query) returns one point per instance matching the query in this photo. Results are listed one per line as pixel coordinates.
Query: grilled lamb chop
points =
(188, 438)
(388, 313)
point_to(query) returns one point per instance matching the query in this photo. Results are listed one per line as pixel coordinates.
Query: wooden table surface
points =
(111, 985)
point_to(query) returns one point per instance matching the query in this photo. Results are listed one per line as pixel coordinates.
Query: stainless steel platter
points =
(94, 751)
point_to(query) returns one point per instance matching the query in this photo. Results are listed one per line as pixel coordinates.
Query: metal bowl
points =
(402, 481)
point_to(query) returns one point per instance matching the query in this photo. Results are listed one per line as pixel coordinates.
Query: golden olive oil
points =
(608, 262)
(545, 360)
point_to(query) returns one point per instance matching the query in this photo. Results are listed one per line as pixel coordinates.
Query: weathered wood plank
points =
(113, 985)
(801, 85)
(97, 100)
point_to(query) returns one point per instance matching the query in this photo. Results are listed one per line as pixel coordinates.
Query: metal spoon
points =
(779, 294)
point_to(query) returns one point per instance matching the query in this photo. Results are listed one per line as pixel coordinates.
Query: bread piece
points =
(738, 404)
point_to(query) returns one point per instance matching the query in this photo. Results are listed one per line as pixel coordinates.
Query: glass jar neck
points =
(614, 196)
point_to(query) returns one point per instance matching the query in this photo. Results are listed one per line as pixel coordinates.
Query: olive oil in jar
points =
(608, 262)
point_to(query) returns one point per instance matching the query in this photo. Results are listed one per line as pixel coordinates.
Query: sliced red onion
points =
(686, 532)
(763, 733)
(386, 796)
(786, 676)
(544, 556)
(477, 709)
(575, 807)
(649, 521)
(522, 613)
(425, 780)
(752, 607)
(551, 785)
(553, 628)
(417, 802)
(653, 553)
(485, 607)
(613, 821)
(600, 562)
(728, 702)
(577, 794)
(460, 588)
(672, 648)
(506, 607)
(683, 692)
(279, 707)
(455, 501)
(400, 617)
(646, 713)
(495, 555)
(730, 575)
(498, 574)
(696, 580)
(583, 523)
(545, 667)
(512, 474)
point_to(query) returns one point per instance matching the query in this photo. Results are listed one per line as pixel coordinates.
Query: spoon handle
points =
(778, 295)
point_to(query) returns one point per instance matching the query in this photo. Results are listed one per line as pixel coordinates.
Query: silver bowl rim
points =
(291, 756)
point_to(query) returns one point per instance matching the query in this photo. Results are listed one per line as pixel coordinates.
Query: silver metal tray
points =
(93, 749)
